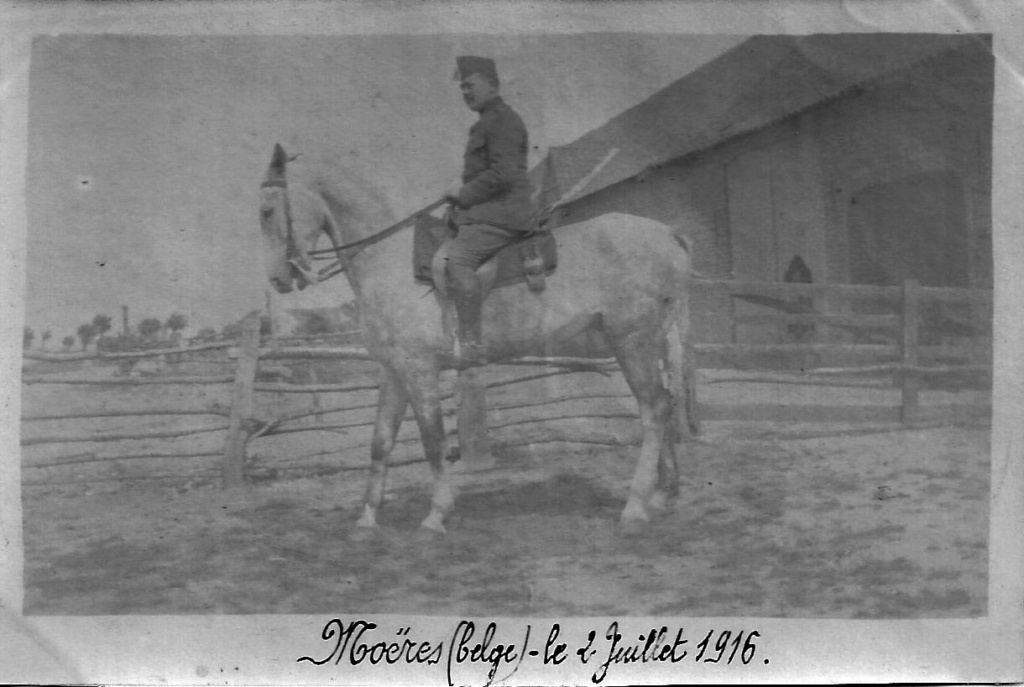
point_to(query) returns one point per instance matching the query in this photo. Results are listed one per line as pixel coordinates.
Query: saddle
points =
(530, 259)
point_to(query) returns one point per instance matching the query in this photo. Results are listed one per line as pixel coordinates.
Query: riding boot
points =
(468, 311)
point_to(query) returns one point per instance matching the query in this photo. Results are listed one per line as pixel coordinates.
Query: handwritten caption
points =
(472, 648)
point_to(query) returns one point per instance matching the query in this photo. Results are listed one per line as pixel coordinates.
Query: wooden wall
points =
(891, 180)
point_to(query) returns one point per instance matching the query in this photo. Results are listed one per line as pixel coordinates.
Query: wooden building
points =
(866, 155)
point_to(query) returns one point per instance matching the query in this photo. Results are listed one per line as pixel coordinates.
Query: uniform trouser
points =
(473, 246)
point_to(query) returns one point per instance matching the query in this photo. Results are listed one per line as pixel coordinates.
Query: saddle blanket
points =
(535, 256)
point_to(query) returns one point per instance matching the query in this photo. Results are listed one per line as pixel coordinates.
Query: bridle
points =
(340, 254)
(292, 253)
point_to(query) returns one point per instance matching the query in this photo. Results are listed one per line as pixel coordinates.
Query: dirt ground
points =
(773, 520)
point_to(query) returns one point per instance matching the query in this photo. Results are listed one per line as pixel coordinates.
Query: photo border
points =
(263, 649)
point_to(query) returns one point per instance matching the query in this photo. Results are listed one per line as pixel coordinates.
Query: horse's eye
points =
(267, 212)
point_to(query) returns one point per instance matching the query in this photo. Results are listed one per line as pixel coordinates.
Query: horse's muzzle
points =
(303, 274)
(297, 275)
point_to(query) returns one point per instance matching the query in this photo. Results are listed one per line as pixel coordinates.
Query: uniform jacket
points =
(495, 190)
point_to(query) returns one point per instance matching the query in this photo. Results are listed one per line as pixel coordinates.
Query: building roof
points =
(759, 82)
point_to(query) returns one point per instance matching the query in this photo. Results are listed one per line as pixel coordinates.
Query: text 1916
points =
(726, 646)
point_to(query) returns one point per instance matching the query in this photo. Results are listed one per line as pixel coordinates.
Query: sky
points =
(145, 153)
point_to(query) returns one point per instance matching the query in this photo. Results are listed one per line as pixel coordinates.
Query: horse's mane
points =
(345, 191)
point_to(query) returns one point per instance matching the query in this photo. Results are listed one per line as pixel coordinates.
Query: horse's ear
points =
(278, 162)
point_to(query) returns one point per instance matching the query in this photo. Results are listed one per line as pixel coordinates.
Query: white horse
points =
(620, 289)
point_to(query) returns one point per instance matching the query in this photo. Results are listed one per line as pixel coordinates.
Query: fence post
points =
(474, 444)
(909, 380)
(314, 379)
(233, 467)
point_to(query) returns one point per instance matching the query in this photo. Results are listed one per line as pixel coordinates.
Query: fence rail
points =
(43, 356)
(905, 362)
(787, 289)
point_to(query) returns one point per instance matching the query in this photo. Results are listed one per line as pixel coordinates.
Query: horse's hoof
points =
(362, 533)
(433, 524)
(634, 519)
(633, 526)
(660, 502)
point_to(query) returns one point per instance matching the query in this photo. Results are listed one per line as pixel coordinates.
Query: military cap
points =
(468, 65)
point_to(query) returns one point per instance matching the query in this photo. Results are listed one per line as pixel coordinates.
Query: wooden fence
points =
(877, 351)
(239, 420)
(849, 332)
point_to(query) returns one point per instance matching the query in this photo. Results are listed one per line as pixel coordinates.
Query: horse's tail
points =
(682, 375)
(680, 359)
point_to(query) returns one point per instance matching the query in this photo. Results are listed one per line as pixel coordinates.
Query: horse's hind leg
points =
(391, 405)
(668, 476)
(638, 356)
(668, 466)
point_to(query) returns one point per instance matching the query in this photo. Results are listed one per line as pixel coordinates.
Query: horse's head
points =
(291, 221)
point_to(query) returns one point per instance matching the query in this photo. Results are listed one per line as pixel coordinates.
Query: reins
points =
(294, 256)
(382, 234)
(336, 267)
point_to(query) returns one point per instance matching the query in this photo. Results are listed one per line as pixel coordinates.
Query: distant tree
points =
(47, 335)
(127, 343)
(206, 334)
(149, 329)
(101, 323)
(86, 333)
(67, 342)
(27, 336)
(266, 325)
(110, 344)
(176, 322)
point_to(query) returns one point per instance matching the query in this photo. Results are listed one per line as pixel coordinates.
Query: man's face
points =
(477, 91)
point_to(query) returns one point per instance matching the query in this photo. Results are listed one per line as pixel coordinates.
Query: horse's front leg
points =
(391, 405)
(425, 397)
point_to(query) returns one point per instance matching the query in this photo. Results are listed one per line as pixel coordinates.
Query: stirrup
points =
(469, 355)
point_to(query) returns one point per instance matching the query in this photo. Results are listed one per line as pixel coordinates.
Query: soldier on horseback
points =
(492, 207)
